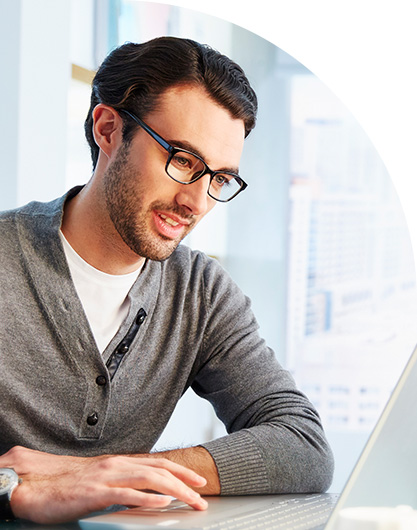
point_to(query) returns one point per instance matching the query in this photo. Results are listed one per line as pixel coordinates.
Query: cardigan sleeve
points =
(275, 441)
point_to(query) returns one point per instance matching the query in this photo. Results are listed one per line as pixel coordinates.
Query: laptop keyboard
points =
(310, 512)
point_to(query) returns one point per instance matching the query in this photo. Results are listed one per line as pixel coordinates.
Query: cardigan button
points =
(92, 419)
(101, 380)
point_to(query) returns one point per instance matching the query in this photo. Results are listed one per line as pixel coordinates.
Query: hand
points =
(56, 489)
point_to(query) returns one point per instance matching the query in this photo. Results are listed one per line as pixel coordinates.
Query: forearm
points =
(200, 461)
(272, 459)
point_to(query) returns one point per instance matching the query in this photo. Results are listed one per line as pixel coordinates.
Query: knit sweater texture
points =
(57, 394)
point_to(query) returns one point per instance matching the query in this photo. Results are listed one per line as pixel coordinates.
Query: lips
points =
(169, 220)
(169, 225)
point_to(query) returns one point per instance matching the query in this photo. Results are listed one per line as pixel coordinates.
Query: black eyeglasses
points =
(186, 167)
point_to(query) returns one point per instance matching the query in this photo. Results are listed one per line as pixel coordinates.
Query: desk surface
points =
(222, 505)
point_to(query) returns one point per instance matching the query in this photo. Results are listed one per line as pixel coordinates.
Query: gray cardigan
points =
(55, 389)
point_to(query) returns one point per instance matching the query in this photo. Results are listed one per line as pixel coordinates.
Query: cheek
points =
(210, 205)
(154, 178)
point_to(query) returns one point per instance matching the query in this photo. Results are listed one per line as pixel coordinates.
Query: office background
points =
(318, 241)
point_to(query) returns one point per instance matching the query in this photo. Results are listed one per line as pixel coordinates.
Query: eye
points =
(182, 161)
(221, 180)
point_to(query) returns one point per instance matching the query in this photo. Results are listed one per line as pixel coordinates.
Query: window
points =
(318, 241)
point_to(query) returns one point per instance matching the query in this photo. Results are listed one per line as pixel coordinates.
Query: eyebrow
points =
(189, 147)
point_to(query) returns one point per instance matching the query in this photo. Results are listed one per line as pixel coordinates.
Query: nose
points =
(194, 196)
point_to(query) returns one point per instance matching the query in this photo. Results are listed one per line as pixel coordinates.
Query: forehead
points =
(188, 114)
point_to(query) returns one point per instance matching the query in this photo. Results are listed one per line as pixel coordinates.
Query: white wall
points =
(36, 71)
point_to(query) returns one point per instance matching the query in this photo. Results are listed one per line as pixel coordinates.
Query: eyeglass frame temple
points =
(163, 143)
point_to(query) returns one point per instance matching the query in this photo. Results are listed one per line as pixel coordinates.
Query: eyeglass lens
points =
(185, 167)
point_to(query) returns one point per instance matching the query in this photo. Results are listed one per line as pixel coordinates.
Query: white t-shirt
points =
(103, 296)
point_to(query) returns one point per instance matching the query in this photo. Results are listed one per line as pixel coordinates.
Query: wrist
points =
(200, 461)
(9, 481)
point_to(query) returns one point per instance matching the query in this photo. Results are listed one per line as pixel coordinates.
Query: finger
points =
(181, 472)
(159, 480)
(157, 475)
(134, 498)
(130, 497)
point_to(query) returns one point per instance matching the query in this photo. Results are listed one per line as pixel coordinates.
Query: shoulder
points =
(35, 219)
(195, 271)
(27, 217)
(194, 264)
(31, 209)
(36, 209)
(29, 227)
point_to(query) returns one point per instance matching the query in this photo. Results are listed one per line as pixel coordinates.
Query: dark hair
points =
(133, 76)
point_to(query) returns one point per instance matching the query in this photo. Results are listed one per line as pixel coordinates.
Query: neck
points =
(90, 232)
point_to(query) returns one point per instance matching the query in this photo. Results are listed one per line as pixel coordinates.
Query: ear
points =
(107, 128)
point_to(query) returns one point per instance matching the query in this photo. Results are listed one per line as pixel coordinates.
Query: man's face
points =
(151, 212)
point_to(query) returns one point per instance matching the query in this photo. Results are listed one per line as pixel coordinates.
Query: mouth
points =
(169, 220)
(170, 226)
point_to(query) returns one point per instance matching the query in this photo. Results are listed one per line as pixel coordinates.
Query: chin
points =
(157, 252)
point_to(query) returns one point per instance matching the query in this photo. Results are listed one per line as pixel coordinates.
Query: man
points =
(106, 321)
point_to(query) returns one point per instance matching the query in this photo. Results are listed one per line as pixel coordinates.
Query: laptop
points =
(385, 475)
